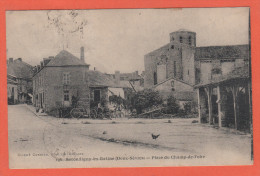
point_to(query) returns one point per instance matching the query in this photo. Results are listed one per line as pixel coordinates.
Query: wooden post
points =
(250, 118)
(208, 90)
(219, 106)
(199, 105)
(234, 90)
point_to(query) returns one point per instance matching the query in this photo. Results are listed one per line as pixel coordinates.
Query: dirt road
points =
(47, 142)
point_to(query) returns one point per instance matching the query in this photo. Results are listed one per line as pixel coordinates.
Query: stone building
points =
(179, 65)
(57, 79)
(19, 81)
(12, 93)
(102, 86)
(132, 79)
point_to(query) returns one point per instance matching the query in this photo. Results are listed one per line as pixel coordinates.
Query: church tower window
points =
(189, 40)
(181, 39)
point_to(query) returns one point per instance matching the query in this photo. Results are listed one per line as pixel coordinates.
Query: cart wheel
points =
(107, 114)
(93, 114)
(100, 113)
(76, 113)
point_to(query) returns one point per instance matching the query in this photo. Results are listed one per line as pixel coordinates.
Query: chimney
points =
(38, 68)
(41, 64)
(35, 69)
(20, 59)
(11, 60)
(82, 54)
(117, 77)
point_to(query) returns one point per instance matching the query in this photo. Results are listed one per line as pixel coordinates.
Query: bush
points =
(145, 99)
(172, 105)
(116, 100)
(187, 107)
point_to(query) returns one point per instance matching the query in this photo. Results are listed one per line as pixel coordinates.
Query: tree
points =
(172, 105)
(145, 99)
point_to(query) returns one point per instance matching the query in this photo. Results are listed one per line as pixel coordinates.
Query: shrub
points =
(172, 105)
(145, 99)
(187, 107)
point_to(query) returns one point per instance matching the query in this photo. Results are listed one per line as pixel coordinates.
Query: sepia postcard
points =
(129, 88)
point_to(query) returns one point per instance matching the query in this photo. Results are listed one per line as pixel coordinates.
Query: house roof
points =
(131, 76)
(65, 58)
(236, 74)
(126, 84)
(20, 69)
(9, 81)
(222, 52)
(98, 79)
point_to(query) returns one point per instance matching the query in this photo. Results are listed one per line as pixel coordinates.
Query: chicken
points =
(155, 136)
(104, 132)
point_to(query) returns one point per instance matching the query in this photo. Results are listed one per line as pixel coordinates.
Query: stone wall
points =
(188, 64)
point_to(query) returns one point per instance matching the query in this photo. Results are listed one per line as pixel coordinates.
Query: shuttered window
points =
(66, 78)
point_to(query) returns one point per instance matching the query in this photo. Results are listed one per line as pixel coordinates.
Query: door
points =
(97, 96)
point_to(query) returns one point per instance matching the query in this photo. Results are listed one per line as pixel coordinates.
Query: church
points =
(175, 68)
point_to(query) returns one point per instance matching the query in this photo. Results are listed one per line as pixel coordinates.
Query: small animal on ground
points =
(104, 132)
(154, 136)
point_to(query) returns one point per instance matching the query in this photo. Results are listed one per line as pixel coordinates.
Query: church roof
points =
(65, 58)
(222, 52)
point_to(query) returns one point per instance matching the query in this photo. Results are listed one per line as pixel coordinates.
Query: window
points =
(172, 38)
(188, 72)
(66, 78)
(66, 95)
(174, 68)
(96, 95)
(172, 47)
(172, 84)
(189, 40)
(154, 78)
(181, 39)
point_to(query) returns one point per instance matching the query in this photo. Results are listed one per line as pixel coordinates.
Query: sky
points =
(118, 39)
